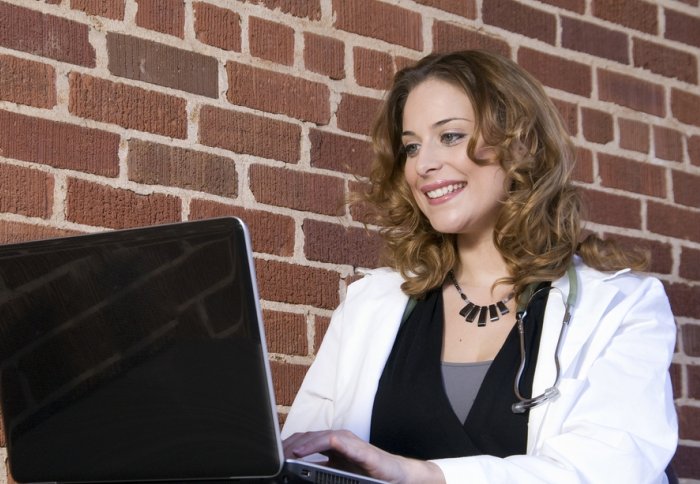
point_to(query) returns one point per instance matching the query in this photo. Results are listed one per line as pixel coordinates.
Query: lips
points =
(439, 192)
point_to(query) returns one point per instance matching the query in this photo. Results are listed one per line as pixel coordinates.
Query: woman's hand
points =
(347, 451)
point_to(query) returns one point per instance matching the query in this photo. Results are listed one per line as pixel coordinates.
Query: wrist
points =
(422, 471)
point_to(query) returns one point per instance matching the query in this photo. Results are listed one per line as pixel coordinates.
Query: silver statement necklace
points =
(470, 311)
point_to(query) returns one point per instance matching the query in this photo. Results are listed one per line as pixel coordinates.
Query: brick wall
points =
(118, 113)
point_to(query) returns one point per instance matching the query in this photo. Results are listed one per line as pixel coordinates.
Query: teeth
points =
(442, 191)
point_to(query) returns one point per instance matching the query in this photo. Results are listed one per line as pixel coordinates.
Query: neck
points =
(481, 265)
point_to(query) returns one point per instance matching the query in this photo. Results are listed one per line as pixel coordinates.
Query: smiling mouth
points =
(442, 191)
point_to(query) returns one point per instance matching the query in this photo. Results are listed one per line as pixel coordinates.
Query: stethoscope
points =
(551, 393)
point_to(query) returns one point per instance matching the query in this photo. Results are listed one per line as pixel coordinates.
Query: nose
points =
(427, 160)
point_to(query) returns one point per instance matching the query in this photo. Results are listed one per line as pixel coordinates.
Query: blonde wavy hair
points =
(538, 227)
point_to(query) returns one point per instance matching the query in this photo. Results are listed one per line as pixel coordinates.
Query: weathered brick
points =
(676, 378)
(285, 333)
(686, 461)
(673, 221)
(113, 9)
(156, 164)
(310, 9)
(583, 168)
(25, 191)
(324, 55)
(303, 99)
(684, 107)
(660, 253)
(557, 72)
(13, 232)
(666, 61)
(297, 190)
(635, 14)
(465, 8)
(449, 37)
(690, 264)
(356, 113)
(286, 380)
(271, 233)
(361, 211)
(127, 106)
(45, 35)
(606, 208)
(632, 176)
(60, 145)
(104, 206)
(689, 422)
(522, 19)
(321, 325)
(401, 62)
(668, 143)
(166, 16)
(249, 134)
(333, 243)
(682, 27)
(686, 189)
(371, 18)
(144, 60)
(694, 150)
(569, 114)
(634, 135)
(340, 153)
(27, 82)
(280, 281)
(693, 381)
(216, 26)
(271, 41)
(631, 92)
(597, 125)
(691, 338)
(594, 39)
(578, 6)
(373, 68)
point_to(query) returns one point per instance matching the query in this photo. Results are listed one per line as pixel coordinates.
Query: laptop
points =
(139, 355)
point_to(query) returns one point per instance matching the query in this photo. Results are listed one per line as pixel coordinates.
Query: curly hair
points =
(538, 227)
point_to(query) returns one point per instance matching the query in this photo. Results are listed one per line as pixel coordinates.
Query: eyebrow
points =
(436, 124)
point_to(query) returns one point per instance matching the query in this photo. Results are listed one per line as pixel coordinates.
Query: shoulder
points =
(382, 280)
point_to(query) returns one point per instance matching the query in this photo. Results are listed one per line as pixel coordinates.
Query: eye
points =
(411, 149)
(451, 138)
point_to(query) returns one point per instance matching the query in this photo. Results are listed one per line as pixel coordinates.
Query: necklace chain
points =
(470, 311)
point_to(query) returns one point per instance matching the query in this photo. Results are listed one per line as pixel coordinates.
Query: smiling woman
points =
(496, 347)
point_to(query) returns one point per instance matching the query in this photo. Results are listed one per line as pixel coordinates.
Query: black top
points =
(412, 415)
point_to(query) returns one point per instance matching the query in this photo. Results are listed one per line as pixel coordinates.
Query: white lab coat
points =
(614, 421)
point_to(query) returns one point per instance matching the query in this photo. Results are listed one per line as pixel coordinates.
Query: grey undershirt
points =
(462, 382)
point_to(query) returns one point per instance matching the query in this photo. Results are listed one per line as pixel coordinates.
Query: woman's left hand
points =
(347, 451)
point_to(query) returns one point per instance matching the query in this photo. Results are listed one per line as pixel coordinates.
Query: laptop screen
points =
(135, 355)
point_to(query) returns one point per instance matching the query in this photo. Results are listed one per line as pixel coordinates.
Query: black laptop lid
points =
(135, 355)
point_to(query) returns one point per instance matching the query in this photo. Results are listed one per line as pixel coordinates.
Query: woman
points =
(418, 374)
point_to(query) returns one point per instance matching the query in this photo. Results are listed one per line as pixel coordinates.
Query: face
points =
(454, 193)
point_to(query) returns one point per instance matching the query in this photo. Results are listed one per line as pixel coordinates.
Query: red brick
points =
(668, 144)
(45, 35)
(249, 134)
(689, 422)
(60, 145)
(635, 14)
(295, 284)
(597, 125)
(356, 113)
(286, 380)
(303, 99)
(371, 18)
(321, 324)
(465, 8)
(684, 303)
(285, 333)
(324, 55)
(684, 107)
(310, 9)
(686, 189)
(676, 379)
(401, 62)
(665, 61)
(557, 72)
(516, 17)
(690, 265)
(690, 334)
(160, 64)
(361, 211)
(271, 41)
(693, 381)
(569, 114)
(166, 16)
(373, 68)
(13, 232)
(634, 135)
(694, 150)
(297, 190)
(609, 209)
(578, 6)
(25, 191)
(631, 92)
(660, 253)
(27, 82)
(100, 205)
(594, 39)
(218, 27)
(340, 153)
(449, 37)
(333, 243)
(673, 221)
(682, 27)
(632, 176)
(686, 462)
(113, 9)
(583, 168)
(156, 164)
(271, 233)
(127, 106)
